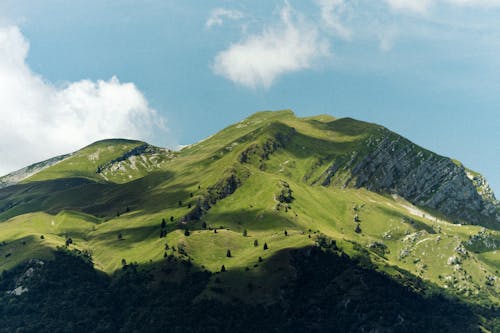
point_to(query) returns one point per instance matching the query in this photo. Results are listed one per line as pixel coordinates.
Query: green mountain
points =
(318, 223)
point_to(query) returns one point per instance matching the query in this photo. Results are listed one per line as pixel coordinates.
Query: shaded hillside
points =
(249, 204)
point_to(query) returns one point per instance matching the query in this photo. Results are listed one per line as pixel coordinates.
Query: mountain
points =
(318, 223)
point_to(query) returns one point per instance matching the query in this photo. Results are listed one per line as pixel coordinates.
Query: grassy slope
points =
(84, 163)
(329, 210)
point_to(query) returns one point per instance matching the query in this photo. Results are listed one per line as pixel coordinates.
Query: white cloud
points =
(258, 60)
(331, 13)
(218, 15)
(40, 120)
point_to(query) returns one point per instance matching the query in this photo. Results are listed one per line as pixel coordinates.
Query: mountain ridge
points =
(236, 206)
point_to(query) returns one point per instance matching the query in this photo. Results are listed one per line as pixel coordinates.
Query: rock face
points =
(21, 174)
(144, 156)
(393, 164)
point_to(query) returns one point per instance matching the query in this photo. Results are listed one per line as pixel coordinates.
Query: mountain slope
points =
(26, 172)
(273, 179)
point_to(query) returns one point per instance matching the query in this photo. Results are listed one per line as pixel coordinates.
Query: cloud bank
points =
(40, 120)
(259, 59)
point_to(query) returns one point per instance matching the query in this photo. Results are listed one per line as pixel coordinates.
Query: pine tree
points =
(120, 236)
(245, 233)
(228, 253)
(265, 246)
(163, 224)
(255, 243)
(286, 233)
(186, 232)
(223, 269)
(358, 229)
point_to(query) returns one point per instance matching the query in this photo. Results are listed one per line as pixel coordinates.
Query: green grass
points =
(48, 204)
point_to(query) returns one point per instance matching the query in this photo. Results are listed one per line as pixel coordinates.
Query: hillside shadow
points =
(316, 290)
(254, 219)
(99, 199)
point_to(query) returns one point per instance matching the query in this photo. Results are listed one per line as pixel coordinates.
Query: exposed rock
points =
(460, 249)
(146, 155)
(395, 165)
(259, 152)
(453, 260)
(220, 190)
(21, 174)
(32, 266)
(404, 253)
(483, 241)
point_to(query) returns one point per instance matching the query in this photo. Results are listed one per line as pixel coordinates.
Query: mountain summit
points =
(249, 205)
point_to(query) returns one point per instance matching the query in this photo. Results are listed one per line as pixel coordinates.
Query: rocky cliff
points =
(385, 162)
(393, 164)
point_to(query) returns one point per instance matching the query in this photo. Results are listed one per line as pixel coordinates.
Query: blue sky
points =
(174, 72)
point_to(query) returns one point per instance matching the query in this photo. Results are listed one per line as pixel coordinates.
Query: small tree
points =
(228, 253)
(215, 231)
(186, 232)
(245, 233)
(260, 259)
(124, 262)
(204, 225)
(127, 209)
(163, 224)
(223, 269)
(265, 246)
(69, 241)
(171, 219)
(117, 214)
(191, 194)
(166, 246)
(42, 237)
(120, 236)
(180, 203)
(189, 205)
(358, 229)
(286, 233)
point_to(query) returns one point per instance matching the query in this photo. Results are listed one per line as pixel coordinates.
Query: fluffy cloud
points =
(258, 60)
(40, 120)
(218, 15)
